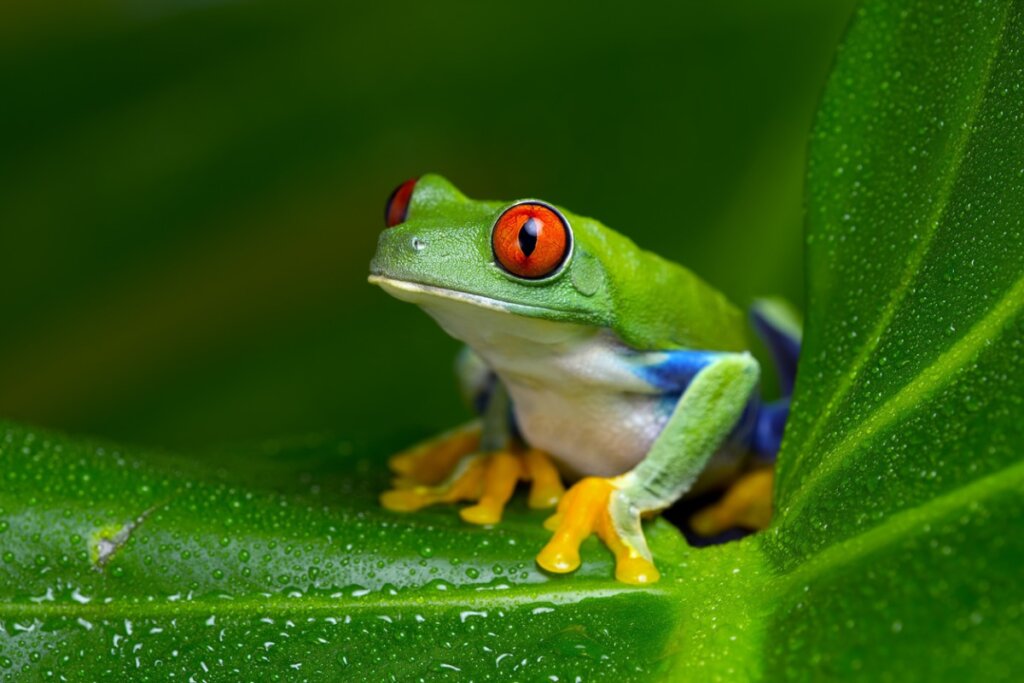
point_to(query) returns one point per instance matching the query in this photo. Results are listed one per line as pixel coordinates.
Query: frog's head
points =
(524, 257)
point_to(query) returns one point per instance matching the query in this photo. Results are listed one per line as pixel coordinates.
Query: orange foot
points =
(584, 510)
(747, 503)
(433, 460)
(449, 470)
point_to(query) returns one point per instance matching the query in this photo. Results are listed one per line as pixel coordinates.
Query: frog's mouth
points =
(420, 294)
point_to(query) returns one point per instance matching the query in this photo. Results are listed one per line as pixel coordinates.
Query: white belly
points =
(588, 431)
(574, 390)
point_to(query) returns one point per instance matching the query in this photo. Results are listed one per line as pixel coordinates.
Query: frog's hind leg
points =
(778, 325)
(710, 406)
(747, 504)
(748, 501)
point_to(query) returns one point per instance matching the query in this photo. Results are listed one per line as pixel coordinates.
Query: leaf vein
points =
(938, 374)
(900, 524)
(960, 145)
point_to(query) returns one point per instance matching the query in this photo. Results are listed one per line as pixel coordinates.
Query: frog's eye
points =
(397, 208)
(531, 240)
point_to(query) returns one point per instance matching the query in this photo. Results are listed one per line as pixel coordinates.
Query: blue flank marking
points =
(761, 427)
(766, 437)
(676, 371)
(785, 349)
(762, 424)
(673, 375)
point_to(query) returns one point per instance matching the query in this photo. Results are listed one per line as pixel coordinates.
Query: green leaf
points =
(898, 495)
(896, 549)
(119, 566)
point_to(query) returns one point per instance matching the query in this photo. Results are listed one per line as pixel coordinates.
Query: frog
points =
(589, 361)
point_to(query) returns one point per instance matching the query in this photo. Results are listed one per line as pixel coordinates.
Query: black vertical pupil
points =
(528, 235)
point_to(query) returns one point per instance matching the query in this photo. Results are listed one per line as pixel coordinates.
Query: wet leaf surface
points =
(899, 489)
(895, 554)
(119, 564)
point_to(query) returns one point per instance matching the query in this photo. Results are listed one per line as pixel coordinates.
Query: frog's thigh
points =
(700, 422)
(706, 413)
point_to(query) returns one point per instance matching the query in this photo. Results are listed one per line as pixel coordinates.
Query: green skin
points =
(441, 258)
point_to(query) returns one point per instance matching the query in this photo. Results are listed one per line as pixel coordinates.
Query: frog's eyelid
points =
(396, 210)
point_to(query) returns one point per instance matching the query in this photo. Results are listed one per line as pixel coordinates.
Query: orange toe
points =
(747, 503)
(430, 462)
(584, 510)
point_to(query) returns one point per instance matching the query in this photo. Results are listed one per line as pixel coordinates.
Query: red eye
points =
(531, 240)
(397, 207)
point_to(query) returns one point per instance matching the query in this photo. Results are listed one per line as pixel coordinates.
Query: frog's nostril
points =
(417, 244)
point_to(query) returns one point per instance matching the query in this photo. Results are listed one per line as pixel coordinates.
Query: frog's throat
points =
(417, 293)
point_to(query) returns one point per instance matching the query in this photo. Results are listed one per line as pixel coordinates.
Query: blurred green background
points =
(190, 191)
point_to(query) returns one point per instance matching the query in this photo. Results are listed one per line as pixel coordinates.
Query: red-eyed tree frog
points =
(586, 358)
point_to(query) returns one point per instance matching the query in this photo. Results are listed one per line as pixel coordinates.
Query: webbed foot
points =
(597, 505)
(489, 479)
(431, 461)
(747, 503)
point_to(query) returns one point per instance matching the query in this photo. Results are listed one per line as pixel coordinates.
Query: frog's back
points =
(662, 305)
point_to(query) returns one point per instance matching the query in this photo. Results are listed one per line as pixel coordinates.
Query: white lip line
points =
(465, 297)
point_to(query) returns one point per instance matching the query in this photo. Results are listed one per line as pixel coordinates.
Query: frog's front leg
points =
(431, 461)
(707, 411)
(480, 462)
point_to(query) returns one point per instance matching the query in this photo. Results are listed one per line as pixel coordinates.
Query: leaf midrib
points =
(271, 604)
